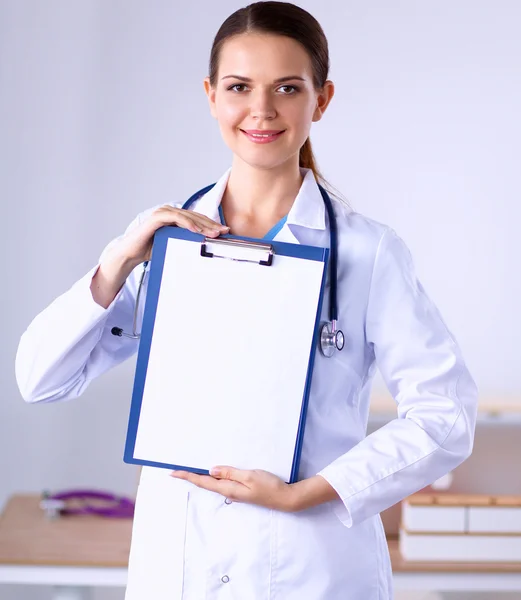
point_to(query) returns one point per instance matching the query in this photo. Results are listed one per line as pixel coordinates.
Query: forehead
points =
(264, 56)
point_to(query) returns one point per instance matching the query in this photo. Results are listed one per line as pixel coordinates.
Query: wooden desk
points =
(77, 553)
(72, 554)
(27, 537)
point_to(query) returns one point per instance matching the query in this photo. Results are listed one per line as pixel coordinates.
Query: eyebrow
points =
(249, 80)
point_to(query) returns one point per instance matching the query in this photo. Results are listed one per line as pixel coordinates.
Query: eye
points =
(293, 89)
(237, 85)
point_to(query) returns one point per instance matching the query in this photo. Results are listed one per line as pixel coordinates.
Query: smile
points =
(262, 137)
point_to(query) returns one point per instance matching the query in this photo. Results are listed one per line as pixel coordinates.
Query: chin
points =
(264, 160)
(264, 165)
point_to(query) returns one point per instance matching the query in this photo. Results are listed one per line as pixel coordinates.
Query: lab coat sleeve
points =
(70, 342)
(436, 396)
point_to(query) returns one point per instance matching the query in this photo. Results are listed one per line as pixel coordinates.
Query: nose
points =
(262, 106)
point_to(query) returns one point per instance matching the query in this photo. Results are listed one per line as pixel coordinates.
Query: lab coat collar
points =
(308, 209)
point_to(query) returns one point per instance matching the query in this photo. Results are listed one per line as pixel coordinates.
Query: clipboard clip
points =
(239, 250)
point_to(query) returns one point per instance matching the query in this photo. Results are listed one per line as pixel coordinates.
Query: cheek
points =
(300, 121)
(307, 110)
(229, 113)
(298, 112)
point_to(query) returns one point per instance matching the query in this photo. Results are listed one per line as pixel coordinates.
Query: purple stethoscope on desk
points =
(331, 338)
(114, 506)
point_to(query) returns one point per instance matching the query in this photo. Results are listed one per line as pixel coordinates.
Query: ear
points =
(324, 97)
(210, 92)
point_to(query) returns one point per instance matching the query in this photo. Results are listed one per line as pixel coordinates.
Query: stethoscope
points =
(331, 338)
(105, 504)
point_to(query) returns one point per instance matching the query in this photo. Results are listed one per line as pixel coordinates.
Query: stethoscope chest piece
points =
(331, 339)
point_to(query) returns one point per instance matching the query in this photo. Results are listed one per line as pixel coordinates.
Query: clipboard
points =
(225, 361)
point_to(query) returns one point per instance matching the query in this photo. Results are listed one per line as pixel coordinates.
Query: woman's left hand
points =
(252, 487)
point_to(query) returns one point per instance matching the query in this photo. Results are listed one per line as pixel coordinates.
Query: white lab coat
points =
(189, 543)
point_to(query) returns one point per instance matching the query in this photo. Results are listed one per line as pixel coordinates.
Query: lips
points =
(262, 131)
(263, 136)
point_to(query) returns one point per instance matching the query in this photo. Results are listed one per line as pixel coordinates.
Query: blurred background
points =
(103, 114)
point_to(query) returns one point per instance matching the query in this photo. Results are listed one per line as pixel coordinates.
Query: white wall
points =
(102, 114)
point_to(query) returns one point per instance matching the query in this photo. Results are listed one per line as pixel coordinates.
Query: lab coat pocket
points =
(158, 538)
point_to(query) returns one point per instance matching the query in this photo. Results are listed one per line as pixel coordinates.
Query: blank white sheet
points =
(228, 361)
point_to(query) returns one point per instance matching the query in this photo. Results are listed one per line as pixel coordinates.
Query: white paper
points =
(228, 361)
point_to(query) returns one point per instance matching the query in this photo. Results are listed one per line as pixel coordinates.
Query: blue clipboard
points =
(159, 250)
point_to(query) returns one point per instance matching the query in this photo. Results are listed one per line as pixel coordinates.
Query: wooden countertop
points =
(28, 538)
(464, 500)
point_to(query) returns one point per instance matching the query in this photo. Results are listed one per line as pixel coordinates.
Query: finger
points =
(206, 220)
(202, 220)
(202, 227)
(208, 226)
(230, 473)
(224, 487)
(169, 215)
(194, 478)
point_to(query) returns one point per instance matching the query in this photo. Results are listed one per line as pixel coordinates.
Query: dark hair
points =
(279, 18)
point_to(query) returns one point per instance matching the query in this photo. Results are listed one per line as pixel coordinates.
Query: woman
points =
(246, 534)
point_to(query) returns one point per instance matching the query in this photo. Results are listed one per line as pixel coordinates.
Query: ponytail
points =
(307, 160)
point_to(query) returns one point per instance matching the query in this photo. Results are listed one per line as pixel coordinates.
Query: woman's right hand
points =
(135, 248)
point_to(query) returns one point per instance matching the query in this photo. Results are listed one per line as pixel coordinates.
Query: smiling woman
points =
(264, 83)
(245, 533)
(265, 89)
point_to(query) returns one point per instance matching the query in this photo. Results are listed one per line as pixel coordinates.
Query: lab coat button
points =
(227, 501)
(225, 579)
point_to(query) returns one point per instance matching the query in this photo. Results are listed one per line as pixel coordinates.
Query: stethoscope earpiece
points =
(120, 333)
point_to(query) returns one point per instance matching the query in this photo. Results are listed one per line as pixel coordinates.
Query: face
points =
(264, 98)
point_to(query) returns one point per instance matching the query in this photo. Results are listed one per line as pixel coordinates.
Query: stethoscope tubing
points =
(329, 331)
(115, 506)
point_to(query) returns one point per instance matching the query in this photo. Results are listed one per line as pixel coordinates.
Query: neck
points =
(261, 194)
